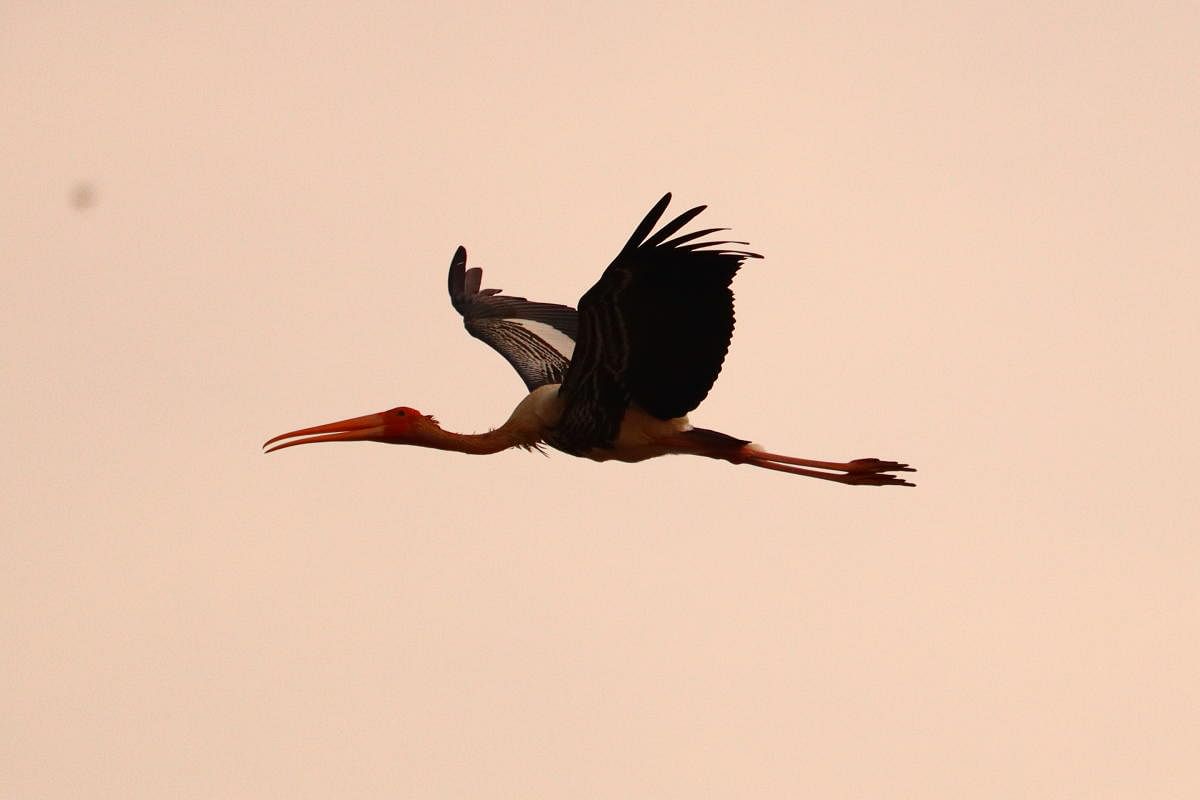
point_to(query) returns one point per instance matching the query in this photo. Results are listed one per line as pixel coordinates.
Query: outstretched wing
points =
(654, 330)
(538, 339)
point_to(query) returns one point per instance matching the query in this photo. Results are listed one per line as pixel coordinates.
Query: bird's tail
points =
(859, 472)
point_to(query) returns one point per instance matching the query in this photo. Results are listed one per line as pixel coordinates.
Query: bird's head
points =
(402, 425)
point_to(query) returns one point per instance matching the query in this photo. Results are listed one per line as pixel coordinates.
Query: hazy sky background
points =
(979, 223)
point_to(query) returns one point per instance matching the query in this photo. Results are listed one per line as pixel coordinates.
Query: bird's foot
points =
(874, 472)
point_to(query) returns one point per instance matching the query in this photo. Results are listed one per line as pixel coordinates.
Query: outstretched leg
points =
(860, 472)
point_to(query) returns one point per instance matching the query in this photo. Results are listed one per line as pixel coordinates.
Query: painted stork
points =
(615, 380)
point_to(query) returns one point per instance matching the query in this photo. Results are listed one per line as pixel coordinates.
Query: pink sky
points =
(979, 226)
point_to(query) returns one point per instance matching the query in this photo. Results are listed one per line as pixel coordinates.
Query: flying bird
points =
(616, 379)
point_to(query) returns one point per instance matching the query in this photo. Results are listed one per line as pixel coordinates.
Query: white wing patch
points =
(549, 334)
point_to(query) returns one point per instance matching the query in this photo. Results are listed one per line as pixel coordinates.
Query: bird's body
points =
(641, 435)
(615, 380)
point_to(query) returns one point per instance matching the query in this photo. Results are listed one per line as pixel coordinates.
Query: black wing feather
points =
(687, 237)
(672, 226)
(496, 320)
(654, 331)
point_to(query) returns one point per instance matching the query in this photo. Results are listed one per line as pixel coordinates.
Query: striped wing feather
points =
(537, 339)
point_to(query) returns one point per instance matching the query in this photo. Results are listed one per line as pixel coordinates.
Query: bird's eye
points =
(400, 413)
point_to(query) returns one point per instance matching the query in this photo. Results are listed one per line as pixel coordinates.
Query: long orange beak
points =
(370, 427)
